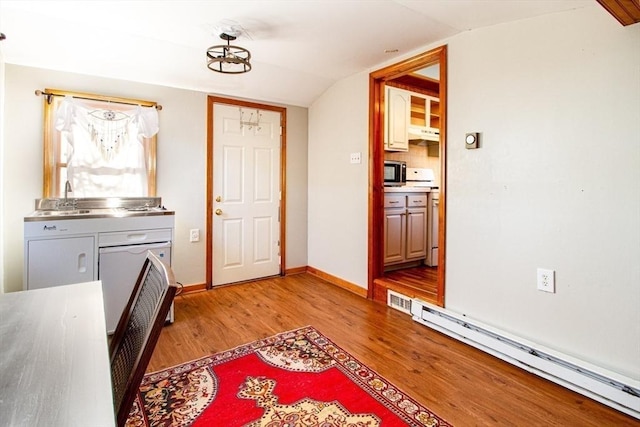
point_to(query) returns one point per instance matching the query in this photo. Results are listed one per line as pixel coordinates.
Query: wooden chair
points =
(137, 332)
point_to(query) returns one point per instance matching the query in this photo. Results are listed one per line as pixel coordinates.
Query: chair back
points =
(138, 331)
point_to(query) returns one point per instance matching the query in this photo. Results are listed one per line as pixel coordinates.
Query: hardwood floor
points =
(459, 383)
(417, 282)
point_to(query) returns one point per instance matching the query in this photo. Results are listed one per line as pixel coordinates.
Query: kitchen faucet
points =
(66, 203)
(67, 190)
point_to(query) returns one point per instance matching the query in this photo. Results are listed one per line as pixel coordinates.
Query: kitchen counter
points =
(85, 208)
(407, 189)
(95, 213)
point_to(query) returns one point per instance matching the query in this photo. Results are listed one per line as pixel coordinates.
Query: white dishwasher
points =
(120, 259)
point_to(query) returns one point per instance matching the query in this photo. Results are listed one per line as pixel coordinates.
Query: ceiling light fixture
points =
(228, 59)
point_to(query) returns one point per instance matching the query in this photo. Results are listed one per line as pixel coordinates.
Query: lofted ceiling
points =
(299, 47)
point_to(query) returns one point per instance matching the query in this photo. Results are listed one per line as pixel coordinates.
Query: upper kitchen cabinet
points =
(425, 111)
(410, 117)
(397, 117)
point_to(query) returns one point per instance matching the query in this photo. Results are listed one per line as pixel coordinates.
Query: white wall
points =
(338, 190)
(181, 164)
(2, 98)
(556, 183)
(296, 175)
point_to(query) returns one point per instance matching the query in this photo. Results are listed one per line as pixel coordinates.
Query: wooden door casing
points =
(211, 101)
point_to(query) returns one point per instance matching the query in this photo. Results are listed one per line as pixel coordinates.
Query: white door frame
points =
(211, 100)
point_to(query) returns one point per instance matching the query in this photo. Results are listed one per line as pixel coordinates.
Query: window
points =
(104, 146)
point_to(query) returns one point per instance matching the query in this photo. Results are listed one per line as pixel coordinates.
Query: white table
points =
(54, 361)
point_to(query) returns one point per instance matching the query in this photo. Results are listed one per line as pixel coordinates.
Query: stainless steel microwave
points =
(395, 173)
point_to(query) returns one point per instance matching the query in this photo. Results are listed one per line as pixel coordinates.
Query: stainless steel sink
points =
(49, 209)
(62, 213)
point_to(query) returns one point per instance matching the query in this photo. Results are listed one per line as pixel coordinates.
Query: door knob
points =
(218, 211)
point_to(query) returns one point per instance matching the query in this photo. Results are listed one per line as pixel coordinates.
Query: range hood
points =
(422, 135)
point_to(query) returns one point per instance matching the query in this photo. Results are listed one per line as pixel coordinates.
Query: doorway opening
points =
(246, 197)
(414, 280)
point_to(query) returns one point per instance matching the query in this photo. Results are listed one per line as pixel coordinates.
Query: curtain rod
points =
(105, 98)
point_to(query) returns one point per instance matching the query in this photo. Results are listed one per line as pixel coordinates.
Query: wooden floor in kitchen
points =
(461, 384)
(415, 282)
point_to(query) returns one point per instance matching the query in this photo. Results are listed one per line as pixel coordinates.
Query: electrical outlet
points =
(194, 235)
(356, 158)
(546, 280)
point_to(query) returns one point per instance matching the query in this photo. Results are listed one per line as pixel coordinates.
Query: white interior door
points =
(246, 199)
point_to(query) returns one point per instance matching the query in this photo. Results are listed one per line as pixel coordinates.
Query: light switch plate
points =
(356, 158)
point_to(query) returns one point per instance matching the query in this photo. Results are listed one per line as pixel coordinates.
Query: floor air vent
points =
(612, 389)
(398, 301)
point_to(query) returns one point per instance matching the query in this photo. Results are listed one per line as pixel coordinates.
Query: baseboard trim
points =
(341, 283)
(196, 287)
(295, 270)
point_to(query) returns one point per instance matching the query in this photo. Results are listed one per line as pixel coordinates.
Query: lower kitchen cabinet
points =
(416, 233)
(54, 262)
(395, 235)
(405, 228)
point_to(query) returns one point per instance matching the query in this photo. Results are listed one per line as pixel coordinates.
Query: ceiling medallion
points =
(228, 59)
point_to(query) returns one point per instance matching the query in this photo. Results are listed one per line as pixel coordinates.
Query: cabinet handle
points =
(82, 262)
(393, 202)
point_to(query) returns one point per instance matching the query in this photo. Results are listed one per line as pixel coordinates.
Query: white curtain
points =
(105, 147)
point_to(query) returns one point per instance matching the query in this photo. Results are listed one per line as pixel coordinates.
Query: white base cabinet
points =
(110, 249)
(55, 262)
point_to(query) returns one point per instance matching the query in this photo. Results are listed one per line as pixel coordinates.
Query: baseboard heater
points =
(609, 388)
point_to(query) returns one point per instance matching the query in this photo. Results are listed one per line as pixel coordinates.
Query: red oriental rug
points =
(298, 378)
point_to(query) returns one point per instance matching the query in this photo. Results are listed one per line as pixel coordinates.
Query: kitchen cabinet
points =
(54, 262)
(407, 115)
(395, 235)
(425, 111)
(405, 227)
(71, 249)
(397, 117)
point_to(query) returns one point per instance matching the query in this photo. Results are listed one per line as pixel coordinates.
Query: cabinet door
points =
(398, 111)
(394, 235)
(55, 262)
(416, 233)
(434, 113)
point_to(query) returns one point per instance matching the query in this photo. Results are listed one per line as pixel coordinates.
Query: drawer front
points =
(134, 237)
(417, 200)
(394, 201)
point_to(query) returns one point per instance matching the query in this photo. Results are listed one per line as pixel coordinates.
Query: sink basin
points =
(52, 214)
(62, 213)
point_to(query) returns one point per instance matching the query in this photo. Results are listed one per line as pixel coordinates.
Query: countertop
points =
(407, 189)
(49, 209)
(95, 213)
